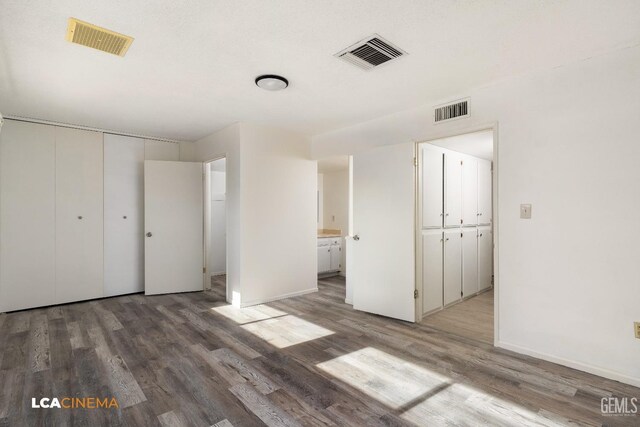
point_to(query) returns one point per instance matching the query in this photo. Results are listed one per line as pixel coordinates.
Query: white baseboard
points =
(279, 297)
(601, 372)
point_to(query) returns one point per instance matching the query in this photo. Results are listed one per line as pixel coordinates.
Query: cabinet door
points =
(452, 190)
(324, 259)
(123, 215)
(27, 215)
(469, 262)
(452, 266)
(336, 257)
(432, 188)
(469, 191)
(79, 215)
(485, 187)
(432, 271)
(485, 257)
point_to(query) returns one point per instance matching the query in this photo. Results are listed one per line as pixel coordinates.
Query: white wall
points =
(320, 201)
(271, 228)
(567, 285)
(336, 206)
(279, 214)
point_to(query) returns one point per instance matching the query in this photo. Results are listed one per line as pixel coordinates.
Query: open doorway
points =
(455, 242)
(333, 222)
(215, 227)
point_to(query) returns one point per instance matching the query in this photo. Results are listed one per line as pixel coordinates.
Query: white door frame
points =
(493, 126)
(207, 223)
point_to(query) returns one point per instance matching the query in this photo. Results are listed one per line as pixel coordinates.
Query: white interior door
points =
(173, 221)
(383, 268)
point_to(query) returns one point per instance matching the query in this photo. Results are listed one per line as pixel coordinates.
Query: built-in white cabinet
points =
(432, 177)
(484, 192)
(469, 262)
(324, 259)
(432, 274)
(455, 226)
(452, 189)
(452, 277)
(79, 215)
(469, 191)
(485, 258)
(329, 255)
(123, 215)
(27, 215)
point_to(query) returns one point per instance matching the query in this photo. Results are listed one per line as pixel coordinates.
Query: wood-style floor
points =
(472, 318)
(192, 360)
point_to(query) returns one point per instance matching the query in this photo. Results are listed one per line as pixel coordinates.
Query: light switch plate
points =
(525, 211)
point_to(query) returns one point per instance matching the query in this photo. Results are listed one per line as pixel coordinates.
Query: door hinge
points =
(415, 161)
(415, 294)
(461, 235)
(461, 294)
(461, 162)
(492, 276)
(204, 269)
(460, 221)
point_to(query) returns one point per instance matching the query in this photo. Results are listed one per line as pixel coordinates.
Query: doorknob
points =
(149, 234)
(356, 237)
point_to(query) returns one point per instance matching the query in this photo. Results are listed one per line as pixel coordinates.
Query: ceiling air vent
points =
(370, 52)
(96, 37)
(452, 111)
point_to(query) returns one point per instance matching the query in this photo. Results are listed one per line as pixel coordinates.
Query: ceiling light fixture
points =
(271, 82)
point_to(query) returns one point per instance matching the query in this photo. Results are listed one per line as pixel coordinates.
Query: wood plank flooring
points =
(191, 360)
(472, 318)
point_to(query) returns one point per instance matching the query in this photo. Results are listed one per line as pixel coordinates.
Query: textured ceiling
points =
(191, 68)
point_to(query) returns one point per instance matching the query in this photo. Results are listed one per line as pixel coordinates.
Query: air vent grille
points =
(370, 52)
(95, 37)
(452, 111)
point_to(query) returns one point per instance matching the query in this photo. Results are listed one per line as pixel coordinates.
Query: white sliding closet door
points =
(27, 215)
(79, 215)
(123, 215)
(469, 261)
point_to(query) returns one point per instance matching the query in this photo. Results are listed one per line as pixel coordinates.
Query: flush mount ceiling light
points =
(272, 82)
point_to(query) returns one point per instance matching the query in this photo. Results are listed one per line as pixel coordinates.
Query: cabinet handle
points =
(446, 215)
(480, 234)
(149, 234)
(440, 214)
(447, 239)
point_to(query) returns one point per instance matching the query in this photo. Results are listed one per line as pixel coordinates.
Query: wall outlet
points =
(636, 327)
(525, 211)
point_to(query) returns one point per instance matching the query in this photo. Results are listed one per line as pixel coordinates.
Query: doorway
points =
(215, 227)
(455, 234)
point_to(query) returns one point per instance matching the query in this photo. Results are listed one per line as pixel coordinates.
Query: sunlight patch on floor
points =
(286, 331)
(421, 396)
(248, 314)
(384, 377)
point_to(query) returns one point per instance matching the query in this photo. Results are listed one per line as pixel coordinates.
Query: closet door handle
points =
(79, 216)
(149, 234)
